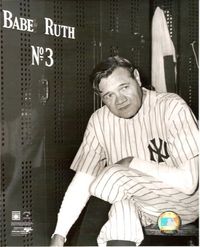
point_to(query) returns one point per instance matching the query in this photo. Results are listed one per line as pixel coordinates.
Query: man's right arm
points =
(57, 240)
(73, 202)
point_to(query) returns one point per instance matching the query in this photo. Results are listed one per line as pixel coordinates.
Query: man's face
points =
(121, 93)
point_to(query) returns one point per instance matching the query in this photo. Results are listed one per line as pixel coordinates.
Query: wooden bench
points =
(189, 230)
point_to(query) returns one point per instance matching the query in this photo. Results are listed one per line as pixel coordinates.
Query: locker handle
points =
(43, 91)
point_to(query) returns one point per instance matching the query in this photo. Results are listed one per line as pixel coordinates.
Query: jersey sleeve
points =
(90, 157)
(183, 135)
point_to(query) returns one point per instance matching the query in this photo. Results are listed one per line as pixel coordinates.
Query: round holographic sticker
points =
(169, 222)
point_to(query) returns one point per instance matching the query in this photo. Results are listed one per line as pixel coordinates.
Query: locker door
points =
(125, 31)
(188, 51)
(183, 24)
(70, 101)
(44, 112)
(22, 127)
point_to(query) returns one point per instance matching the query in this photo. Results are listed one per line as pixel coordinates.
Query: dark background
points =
(39, 140)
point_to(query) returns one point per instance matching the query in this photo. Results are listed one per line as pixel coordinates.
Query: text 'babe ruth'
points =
(139, 153)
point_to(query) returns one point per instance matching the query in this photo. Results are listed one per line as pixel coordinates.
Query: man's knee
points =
(98, 181)
(106, 181)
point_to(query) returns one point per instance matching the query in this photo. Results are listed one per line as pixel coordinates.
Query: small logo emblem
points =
(26, 215)
(16, 215)
(169, 222)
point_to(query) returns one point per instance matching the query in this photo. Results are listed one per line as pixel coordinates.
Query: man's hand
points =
(57, 240)
(125, 162)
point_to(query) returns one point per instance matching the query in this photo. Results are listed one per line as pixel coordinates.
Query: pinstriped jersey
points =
(163, 131)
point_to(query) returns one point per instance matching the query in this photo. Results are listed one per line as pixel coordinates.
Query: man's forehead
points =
(119, 76)
(121, 71)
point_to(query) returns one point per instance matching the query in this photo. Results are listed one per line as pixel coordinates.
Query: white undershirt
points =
(73, 202)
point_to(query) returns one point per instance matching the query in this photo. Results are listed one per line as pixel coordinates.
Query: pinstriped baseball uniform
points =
(163, 133)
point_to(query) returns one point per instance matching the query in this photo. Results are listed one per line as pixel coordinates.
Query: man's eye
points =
(108, 96)
(125, 87)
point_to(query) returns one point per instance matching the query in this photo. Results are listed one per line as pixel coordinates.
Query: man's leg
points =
(151, 197)
(95, 216)
(116, 185)
(123, 225)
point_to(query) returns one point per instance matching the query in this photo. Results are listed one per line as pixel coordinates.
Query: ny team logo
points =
(158, 152)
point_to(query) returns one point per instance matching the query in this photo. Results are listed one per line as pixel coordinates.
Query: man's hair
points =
(106, 67)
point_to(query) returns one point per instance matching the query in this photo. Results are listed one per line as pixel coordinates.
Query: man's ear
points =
(137, 77)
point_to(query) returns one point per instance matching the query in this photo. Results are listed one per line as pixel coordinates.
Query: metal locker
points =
(40, 106)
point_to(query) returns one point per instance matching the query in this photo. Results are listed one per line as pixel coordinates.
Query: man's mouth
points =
(123, 107)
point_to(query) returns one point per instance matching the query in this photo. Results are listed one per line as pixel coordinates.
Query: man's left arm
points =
(183, 178)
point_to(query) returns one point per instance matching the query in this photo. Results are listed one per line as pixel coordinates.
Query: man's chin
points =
(126, 115)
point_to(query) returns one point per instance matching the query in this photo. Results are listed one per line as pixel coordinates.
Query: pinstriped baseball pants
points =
(137, 199)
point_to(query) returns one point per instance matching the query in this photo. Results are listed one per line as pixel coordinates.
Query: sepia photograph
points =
(99, 123)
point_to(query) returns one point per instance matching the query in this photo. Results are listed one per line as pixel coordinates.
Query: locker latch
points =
(43, 91)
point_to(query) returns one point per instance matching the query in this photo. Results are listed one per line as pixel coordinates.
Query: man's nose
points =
(120, 99)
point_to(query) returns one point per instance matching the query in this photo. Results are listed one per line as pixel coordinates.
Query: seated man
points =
(139, 153)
